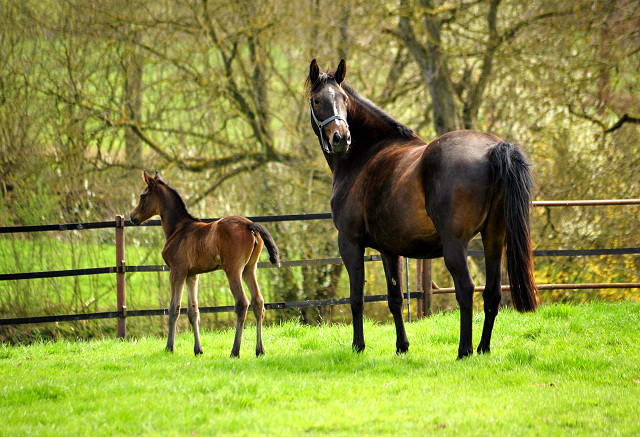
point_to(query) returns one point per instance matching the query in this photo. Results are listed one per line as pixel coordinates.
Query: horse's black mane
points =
(181, 203)
(323, 78)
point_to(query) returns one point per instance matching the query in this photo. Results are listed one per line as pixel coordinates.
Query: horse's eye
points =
(316, 101)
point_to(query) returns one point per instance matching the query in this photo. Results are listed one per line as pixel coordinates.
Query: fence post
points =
(120, 277)
(419, 303)
(426, 287)
(406, 275)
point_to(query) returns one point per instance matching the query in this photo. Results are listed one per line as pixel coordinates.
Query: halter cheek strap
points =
(324, 141)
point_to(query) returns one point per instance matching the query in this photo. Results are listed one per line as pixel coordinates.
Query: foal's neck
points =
(173, 212)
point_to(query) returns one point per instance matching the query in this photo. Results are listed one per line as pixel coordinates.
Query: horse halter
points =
(324, 141)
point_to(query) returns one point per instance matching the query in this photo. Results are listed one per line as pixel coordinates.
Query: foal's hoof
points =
(358, 347)
(197, 352)
(258, 353)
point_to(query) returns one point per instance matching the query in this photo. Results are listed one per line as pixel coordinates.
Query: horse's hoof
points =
(463, 355)
(168, 349)
(258, 353)
(484, 350)
(197, 352)
(400, 349)
(358, 348)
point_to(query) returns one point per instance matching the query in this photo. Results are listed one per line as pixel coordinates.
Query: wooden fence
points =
(424, 290)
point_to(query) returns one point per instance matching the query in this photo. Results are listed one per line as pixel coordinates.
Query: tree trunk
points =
(133, 71)
(432, 62)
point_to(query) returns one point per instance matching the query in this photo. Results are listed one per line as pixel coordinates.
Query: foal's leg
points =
(455, 258)
(241, 306)
(393, 272)
(177, 285)
(193, 312)
(257, 302)
(353, 258)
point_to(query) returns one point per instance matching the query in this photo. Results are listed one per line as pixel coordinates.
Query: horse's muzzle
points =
(134, 220)
(340, 142)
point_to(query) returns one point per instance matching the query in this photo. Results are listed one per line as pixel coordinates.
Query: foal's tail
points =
(513, 171)
(274, 253)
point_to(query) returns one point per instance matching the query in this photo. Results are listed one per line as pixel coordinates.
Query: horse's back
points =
(410, 193)
(205, 247)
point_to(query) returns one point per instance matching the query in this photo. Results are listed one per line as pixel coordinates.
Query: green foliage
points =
(211, 94)
(564, 370)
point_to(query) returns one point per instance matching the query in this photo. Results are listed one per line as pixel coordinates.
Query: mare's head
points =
(328, 107)
(149, 204)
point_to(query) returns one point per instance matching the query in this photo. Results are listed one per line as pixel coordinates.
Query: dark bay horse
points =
(403, 197)
(232, 244)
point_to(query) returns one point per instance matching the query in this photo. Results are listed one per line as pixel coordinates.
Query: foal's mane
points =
(404, 131)
(181, 204)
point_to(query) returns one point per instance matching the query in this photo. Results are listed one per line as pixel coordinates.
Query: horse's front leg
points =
(193, 312)
(353, 258)
(393, 272)
(177, 286)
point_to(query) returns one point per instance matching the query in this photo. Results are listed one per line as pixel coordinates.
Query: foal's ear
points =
(341, 72)
(151, 182)
(314, 72)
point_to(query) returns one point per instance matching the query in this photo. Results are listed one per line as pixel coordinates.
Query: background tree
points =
(210, 93)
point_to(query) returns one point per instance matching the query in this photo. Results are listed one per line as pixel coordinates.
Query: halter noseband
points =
(321, 124)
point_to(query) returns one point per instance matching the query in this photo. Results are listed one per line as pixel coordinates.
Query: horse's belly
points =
(407, 231)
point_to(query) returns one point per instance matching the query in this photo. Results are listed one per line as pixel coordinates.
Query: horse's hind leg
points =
(193, 312)
(240, 308)
(393, 272)
(177, 286)
(257, 302)
(455, 258)
(493, 241)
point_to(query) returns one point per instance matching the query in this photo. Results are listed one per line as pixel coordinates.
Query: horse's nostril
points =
(336, 138)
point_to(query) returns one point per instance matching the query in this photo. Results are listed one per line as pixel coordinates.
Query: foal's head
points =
(328, 103)
(149, 204)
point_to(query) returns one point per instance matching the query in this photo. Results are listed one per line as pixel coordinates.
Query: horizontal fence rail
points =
(295, 263)
(119, 224)
(285, 218)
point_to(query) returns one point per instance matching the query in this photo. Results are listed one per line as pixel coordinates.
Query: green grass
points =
(566, 370)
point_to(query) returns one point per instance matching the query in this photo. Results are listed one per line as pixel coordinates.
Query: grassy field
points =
(565, 370)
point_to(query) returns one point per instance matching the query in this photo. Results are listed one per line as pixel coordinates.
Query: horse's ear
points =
(314, 72)
(341, 72)
(157, 177)
(151, 182)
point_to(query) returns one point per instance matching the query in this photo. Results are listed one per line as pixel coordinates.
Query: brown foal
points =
(232, 244)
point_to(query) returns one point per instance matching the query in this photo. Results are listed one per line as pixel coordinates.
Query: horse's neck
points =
(172, 213)
(368, 136)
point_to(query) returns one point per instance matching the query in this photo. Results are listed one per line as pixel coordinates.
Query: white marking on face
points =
(333, 95)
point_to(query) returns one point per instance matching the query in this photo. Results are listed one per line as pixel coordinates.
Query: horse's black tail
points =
(274, 253)
(513, 171)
